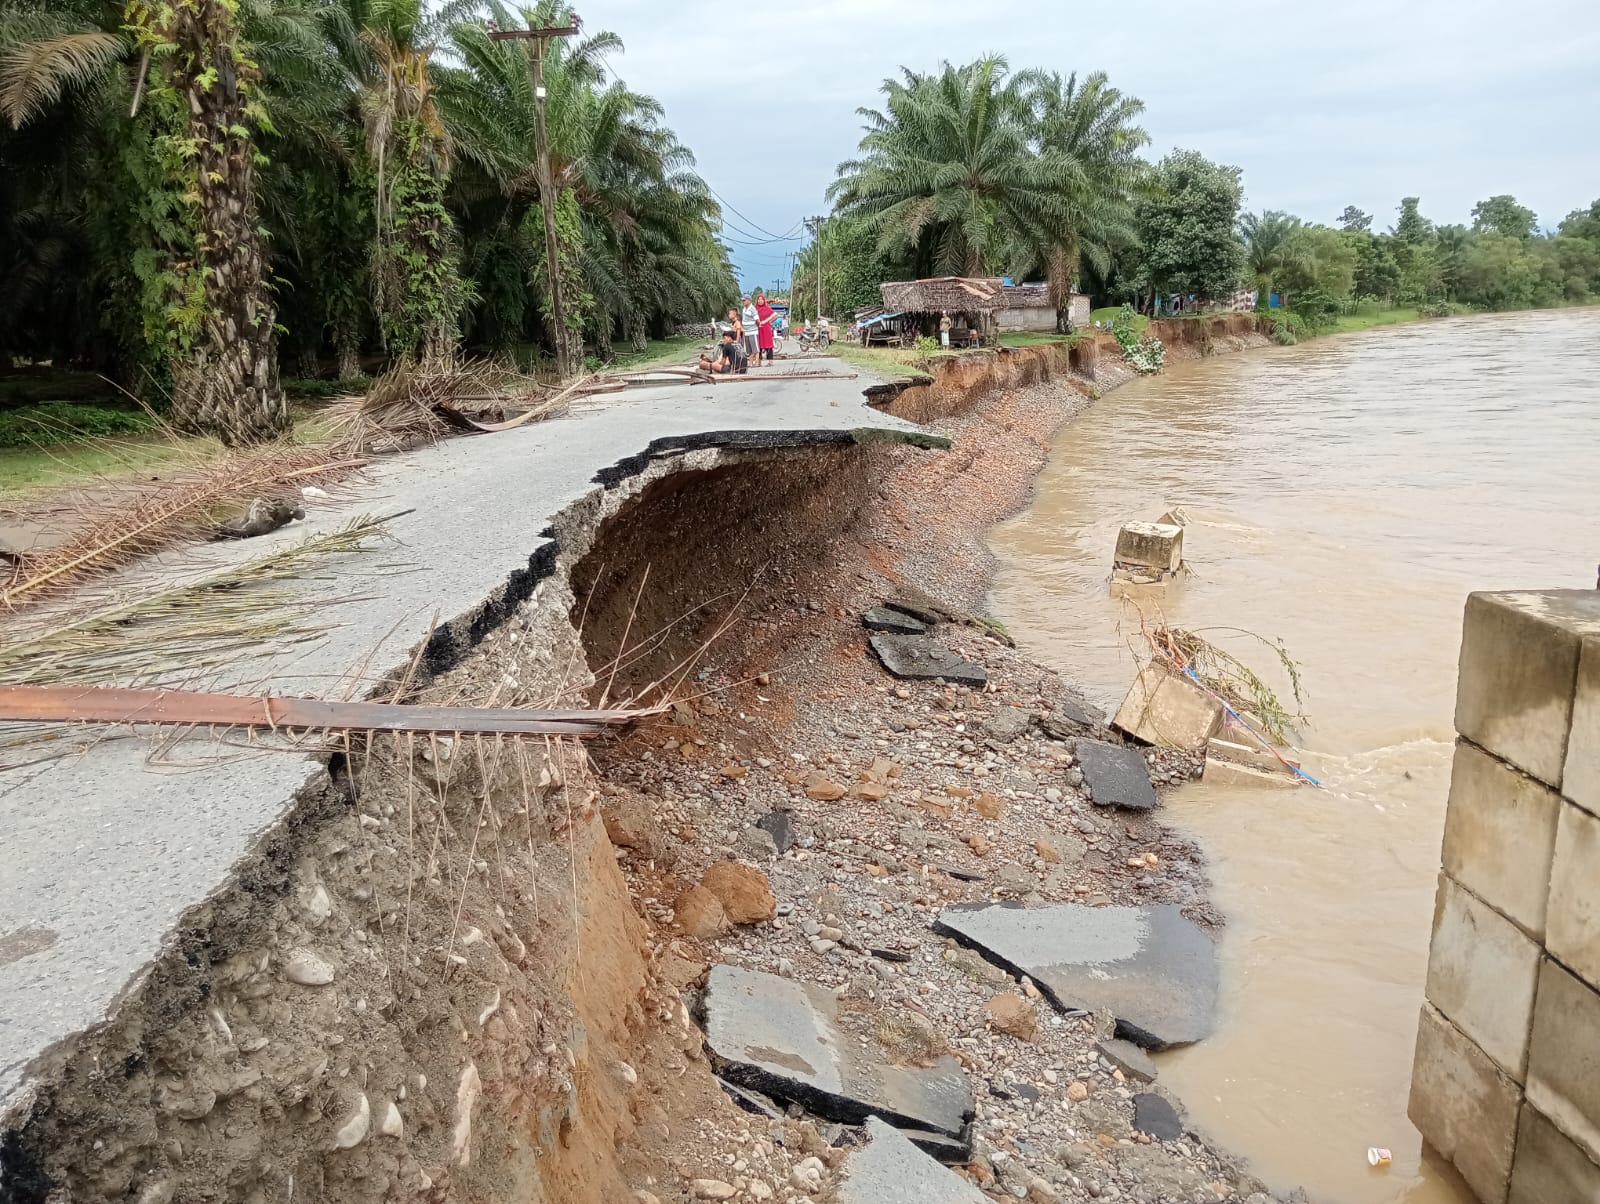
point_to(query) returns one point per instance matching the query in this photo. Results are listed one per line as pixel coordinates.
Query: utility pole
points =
(814, 224)
(547, 201)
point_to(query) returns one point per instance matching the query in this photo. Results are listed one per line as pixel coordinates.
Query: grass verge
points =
(1367, 319)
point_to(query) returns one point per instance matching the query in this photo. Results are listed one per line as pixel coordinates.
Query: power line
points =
(756, 242)
(747, 221)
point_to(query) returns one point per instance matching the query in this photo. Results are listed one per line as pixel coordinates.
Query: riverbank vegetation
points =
(202, 196)
(979, 170)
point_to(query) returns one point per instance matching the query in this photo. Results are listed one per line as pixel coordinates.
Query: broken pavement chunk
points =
(1115, 776)
(1154, 1115)
(1127, 1057)
(891, 1170)
(779, 1037)
(1168, 711)
(917, 658)
(922, 612)
(1155, 970)
(883, 618)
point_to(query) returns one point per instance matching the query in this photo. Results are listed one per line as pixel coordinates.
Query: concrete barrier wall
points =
(1506, 1081)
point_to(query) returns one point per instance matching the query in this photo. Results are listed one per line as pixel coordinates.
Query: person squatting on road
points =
(731, 358)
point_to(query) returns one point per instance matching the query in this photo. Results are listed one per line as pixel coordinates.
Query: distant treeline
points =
(977, 170)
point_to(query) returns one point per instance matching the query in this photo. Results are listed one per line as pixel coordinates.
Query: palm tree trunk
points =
(228, 386)
(638, 332)
(1062, 272)
(344, 345)
(418, 286)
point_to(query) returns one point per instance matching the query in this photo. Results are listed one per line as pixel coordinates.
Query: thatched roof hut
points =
(977, 295)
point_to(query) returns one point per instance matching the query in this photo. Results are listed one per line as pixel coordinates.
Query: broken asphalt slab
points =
(1154, 1115)
(917, 658)
(1115, 776)
(892, 622)
(781, 1038)
(1153, 968)
(889, 1169)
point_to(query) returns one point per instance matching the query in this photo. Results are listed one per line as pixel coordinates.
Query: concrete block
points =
(1482, 972)
(1239, 752)
(1518, 674)
(1573, 926)
(1168, 711)
(1157, 546)
(1564, 1056)
(1234, 775)
(1500, 834)
(1463, 1106)
(1580, 779)
(1549, 1169)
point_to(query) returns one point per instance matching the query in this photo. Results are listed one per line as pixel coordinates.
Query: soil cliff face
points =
(1093, 361)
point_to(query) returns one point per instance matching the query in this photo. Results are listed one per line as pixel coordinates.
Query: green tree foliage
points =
(1090, 145)
(976, 171)
(1187, 227)
(375, 164)
(1271, 239)
(1318, 272)
(947, 178)
(1354, 220)
(1502, 215)
(1412, 227)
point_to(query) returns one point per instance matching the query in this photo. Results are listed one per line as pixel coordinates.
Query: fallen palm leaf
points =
(181, 509)
(97, 704)
(193, 625)
(413, 403)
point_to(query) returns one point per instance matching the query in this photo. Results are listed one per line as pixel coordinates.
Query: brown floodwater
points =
(1344, 495)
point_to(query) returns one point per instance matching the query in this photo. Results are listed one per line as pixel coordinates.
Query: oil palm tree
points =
(946, 175)
(207, 89)
(633, 216)
(387, 47)
(1270, 239)
(1089, 145)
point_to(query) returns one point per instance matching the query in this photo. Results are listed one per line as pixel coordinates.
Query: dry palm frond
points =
(415, 403)
(34, 74)
(183, 507)
(186, 628)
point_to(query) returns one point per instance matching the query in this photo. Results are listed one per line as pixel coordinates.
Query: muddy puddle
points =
(1345, 496)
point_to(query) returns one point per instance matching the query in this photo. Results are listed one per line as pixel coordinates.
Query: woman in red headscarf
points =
(764, 340)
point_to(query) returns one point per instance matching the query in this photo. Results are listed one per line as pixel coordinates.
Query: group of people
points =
(748, 338)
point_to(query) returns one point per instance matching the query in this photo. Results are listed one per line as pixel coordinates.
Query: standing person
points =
(944, 330)
(764, 336)
(737, 322)
(751, 321)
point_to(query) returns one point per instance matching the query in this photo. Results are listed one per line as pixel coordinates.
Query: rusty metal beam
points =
(98, 704)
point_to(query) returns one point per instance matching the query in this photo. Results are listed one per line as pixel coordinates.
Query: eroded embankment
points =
(430, 981)
(1093, 360)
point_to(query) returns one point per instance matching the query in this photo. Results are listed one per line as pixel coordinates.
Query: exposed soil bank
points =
(431, 982)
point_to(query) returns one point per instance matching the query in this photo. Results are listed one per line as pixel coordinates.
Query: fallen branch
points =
(96, 704)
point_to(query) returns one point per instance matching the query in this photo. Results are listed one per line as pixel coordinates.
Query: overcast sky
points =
(1323, 104)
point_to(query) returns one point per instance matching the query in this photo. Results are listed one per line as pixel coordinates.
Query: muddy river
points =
(1344, 495)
